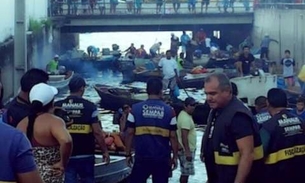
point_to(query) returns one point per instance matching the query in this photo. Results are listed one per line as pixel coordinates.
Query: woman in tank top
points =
(52, 143)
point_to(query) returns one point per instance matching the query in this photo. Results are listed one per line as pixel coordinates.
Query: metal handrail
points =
(75, 8)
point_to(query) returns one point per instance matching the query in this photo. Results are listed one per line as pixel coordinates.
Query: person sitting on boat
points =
(141, 52)
(155, 49)
(245, 62)
(170, 73)
(131, 50)
(300, 108)
(52, 67)
(86, 128)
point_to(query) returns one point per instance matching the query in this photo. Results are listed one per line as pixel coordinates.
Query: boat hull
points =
(114, 102)
(114, 172)
(63, 83)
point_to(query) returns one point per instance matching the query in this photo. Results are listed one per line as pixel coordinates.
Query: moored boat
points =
(113, 98)
(116, 171)
(60, 81)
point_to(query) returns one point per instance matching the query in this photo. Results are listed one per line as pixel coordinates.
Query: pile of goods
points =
(199, 70)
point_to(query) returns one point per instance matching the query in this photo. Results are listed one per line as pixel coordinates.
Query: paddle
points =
(179, 80)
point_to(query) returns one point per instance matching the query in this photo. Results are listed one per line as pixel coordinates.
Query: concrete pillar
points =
(20, 43)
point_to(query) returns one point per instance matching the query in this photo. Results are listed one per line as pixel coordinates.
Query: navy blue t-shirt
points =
(15, 154)
(153, 120)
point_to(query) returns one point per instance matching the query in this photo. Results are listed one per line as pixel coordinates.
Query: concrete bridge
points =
(80, 18)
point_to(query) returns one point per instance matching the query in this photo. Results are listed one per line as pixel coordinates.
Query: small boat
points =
(116, 171)
(113, 98)
(60, 81)
(251, 87)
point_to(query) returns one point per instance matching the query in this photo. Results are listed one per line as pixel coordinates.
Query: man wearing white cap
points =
(51, 141)
(52, 66)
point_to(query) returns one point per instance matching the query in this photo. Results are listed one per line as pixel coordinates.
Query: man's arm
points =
(246, 149)
(185, 142)
(265, 137)
(130, 132)
(32, 177)
(62, 135)
(243, 130)
(174, 143)
(24, 165)
(98, 134)
(173, 135)
(97, 130)
(274, 40)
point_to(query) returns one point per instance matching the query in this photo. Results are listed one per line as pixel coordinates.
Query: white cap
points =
(56, 56)
(43, 93)
(266, 34)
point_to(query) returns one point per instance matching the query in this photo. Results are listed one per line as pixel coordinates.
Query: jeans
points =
(82, 168)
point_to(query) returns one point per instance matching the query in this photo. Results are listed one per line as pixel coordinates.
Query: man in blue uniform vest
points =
(86, 128)
(263, 114)
(284, 142)
(231, 146)
(153, 125)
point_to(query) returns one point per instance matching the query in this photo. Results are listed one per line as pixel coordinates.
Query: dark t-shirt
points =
(246, 62)
(15, 154)
(241, 126)
(16, 111)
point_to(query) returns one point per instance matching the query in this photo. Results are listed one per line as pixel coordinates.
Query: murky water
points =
(106, 119)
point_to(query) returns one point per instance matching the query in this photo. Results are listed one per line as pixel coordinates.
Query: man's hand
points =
(174, 163)
(202, 157)
(188, 156)
(106, 157)
(129, 161)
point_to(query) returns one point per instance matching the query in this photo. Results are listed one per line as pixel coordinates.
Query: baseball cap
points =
(43, 93)
(56, 56)
(189, 101)
(76, 83)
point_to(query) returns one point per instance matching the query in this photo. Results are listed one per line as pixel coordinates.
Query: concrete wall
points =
(285, 25)
(38, 48)
(36, 9)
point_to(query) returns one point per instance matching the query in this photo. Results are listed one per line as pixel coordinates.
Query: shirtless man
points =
(47, 134)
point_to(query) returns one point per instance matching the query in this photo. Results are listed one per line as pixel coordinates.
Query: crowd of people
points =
(41, 143)
(52, 142)
(237, 146)
(135, 6)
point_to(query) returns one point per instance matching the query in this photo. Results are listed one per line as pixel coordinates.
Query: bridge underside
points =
(107, 23)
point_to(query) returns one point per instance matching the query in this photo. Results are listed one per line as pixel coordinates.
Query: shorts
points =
(169, 83)
(207, 2)
(186, 167)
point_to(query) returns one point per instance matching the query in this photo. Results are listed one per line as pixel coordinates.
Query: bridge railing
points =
(285, 4)
(138, 7)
